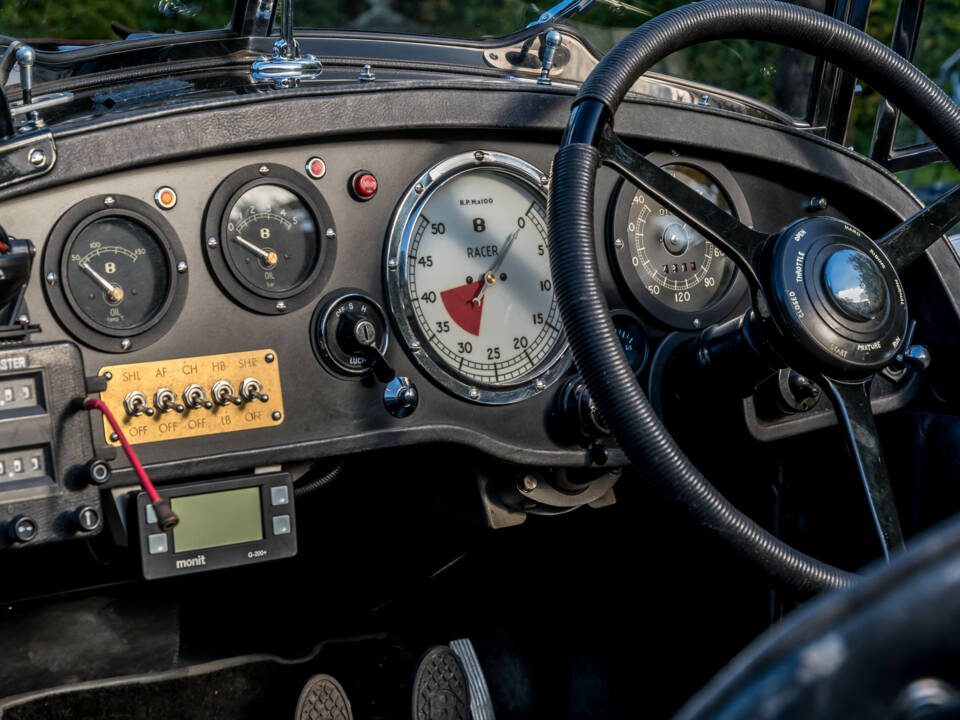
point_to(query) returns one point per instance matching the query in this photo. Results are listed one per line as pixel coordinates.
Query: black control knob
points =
(87, 519)
(579, 411)
(351, 333)
(23, 529)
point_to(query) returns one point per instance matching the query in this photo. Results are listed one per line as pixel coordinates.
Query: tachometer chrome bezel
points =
(397, 281)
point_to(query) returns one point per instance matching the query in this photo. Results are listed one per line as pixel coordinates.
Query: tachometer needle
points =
(114, 292)
(269, 255)
(490, 277)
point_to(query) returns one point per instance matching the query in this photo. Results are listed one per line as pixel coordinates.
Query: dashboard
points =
(245, 293)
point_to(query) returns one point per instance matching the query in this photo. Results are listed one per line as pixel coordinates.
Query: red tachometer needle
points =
(459, 304)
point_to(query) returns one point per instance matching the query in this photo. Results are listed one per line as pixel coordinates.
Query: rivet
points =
(392, 263)
(109, 200)
(276, 415)
(418, 188)
(23, 319)
(479, 155)
(618, 243)
(331, 233)
(540, 385)
(114, 437)
(211, 242)
(108, 375)
(493, 56)
(37, 158)
(270, 357)
(263, 169)
(696, 322)
(125, 344)
(415, 346)
(474, 393)
(544, 179)
(51, 278)
(182, 266)
(281, 306)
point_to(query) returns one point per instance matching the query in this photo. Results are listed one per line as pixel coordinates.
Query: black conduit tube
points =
(573, 261)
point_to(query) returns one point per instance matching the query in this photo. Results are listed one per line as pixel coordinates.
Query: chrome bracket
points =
(286, 68)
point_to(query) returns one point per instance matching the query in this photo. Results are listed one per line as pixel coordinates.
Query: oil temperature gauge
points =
(115, 273)
(118, 275)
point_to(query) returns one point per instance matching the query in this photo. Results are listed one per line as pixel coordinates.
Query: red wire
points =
(3, 247)
(94, 404)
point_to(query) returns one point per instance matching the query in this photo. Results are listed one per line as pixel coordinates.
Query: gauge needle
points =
(490, 277)
(114, 292)
(269, 255)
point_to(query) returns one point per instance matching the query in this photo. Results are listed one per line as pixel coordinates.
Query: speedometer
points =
(468, 274)
(677, 274)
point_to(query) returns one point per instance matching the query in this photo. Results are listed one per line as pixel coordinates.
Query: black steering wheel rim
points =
(589, 142)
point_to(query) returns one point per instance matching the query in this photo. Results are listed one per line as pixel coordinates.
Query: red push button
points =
(363, 184)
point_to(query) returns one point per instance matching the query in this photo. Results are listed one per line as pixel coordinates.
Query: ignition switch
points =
(351, 336)
(350, 333)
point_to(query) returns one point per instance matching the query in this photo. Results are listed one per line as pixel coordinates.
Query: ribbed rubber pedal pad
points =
(323, 698)
(440, 689)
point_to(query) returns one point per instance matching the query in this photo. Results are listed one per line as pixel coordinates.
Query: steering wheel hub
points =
(836, 297)
(855, 286)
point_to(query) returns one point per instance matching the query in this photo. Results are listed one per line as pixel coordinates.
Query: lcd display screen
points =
(216, 519)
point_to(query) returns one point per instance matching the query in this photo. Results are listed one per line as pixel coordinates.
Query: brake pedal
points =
(440, 689)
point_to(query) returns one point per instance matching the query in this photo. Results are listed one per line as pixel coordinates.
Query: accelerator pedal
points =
(481, 706)
(323, 698)
(440, 689)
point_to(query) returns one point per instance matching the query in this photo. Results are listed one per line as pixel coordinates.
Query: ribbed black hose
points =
(320, 482)
(573, 261)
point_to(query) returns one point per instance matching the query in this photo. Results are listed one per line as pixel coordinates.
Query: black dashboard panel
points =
(392, 133)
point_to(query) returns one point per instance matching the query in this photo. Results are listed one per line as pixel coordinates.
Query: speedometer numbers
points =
(468, 273)
(677, 274)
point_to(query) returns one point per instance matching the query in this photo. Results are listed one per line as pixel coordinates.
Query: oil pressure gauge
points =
(269, 238)
(115, 273)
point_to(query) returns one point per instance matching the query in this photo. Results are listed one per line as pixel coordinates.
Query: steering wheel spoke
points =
(908, 240)
(851, 403)
(732, 236)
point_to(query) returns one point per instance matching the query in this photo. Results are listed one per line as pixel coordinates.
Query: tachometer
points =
(269, 238)
(468, 274)
(115, 273)
(676, 273)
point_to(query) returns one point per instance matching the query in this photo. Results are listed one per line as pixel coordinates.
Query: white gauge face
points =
(478, 279)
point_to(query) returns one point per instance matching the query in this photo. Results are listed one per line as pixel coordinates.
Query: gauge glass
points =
(677, 265)
(118, 274)
(478, 278)
(271, 239)
(632, 339)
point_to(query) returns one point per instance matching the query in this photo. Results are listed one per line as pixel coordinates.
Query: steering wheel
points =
(826, 298)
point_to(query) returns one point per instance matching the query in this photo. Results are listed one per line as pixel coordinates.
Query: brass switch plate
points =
(177, 374)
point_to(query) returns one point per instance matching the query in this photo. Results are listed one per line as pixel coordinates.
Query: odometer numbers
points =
(679, 275)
